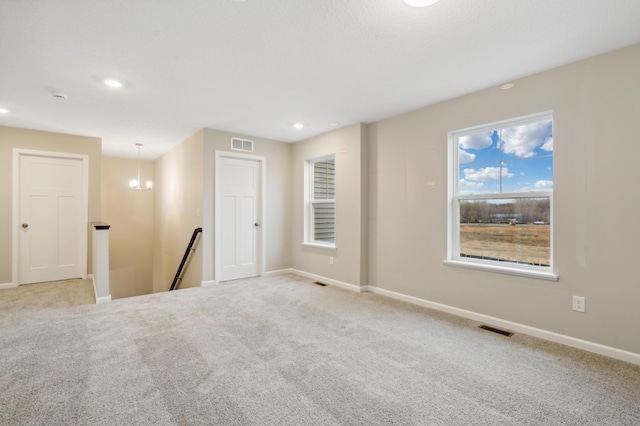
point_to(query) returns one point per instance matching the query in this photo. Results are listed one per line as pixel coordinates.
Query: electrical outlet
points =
(578, 304)
(330, 260)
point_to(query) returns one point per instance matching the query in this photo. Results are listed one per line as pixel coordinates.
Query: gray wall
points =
(10, 138)
(392, 229)
(178, 194)
(131, 216)
(350, 258)
(596, 106)
(278, 189)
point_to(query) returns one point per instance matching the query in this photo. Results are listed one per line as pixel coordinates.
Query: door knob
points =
(256, 224)
(25, 225)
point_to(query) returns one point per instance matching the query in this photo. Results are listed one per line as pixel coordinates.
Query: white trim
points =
(101, 263)
(8, 285)
(279, 272)
(93, 281)
(322, 246)
(506, 196)
(262, 236)
(330, 281)
(586, 345)
(101, 300)
(529, 273)
(17, 152)
(209, 283)
(454, 197)
(309, 201)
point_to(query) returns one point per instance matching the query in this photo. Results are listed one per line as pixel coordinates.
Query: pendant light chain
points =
(139, 145)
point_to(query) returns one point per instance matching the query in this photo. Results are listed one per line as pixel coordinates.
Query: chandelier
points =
(136, 183)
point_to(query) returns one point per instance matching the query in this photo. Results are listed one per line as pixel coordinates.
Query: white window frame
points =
(454, 198)
(309, 201)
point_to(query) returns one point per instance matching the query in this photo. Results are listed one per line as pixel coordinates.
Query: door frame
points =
(262, 229)
(84, 194)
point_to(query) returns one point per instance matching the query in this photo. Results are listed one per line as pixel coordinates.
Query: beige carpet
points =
(56, 294)
(283, 351)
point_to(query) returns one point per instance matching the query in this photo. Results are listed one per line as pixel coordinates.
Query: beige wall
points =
(184, 187)
(278, 190)
(43, 141)
(351, 214)
(178, 211)
(596, 105)
(131, 216)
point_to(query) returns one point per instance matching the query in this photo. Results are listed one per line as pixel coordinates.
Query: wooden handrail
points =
(190, 248)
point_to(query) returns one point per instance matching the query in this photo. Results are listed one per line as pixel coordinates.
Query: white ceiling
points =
(256, 67)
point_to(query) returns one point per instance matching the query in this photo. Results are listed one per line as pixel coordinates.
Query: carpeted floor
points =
(57, 294)
(283, 351)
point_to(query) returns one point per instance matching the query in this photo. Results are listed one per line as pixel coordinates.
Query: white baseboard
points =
(586, 345)
(330, 281)
(95, 290)
(208, 283)
(101, 300)
(8, 285)
(279, 272)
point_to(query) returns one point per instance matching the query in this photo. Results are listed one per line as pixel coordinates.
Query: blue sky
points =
(522, 154)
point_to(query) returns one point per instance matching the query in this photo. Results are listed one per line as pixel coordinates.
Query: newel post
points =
(101, 262)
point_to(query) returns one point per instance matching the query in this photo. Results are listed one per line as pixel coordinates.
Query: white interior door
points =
(52, 235)
(239, 196)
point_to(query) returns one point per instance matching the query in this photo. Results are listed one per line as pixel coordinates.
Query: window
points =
(321, 201)
(500, 196)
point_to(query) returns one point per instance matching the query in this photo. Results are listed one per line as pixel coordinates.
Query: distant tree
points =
(525, 210)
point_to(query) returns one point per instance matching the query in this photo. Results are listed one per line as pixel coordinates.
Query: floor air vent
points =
(320, 284)
(496, 330)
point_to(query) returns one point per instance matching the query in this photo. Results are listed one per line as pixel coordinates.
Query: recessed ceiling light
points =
(298, 125)
(420, 3)
(507, 86)
(4, 111)
(334, 124)
(112, 83)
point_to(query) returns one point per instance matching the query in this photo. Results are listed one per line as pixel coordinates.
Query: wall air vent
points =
(238, 144)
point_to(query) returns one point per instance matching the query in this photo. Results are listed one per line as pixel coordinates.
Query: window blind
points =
(324, 193)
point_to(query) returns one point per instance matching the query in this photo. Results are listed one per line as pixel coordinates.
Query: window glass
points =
(506, 230)
(501, 198)
(321, 201)
(510, 159)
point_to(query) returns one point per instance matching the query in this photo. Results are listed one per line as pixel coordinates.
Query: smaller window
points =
(321, 201)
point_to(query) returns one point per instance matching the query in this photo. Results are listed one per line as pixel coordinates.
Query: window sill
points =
(542, 275)
(327, 247)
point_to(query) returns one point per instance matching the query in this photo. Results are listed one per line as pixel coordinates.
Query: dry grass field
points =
(520, 243)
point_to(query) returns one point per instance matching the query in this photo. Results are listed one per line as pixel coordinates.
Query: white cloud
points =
(465, 157)
(548, 145)
(487, 173)
(544, 184)
(465, 184)
(475, 141)
(523, 140)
